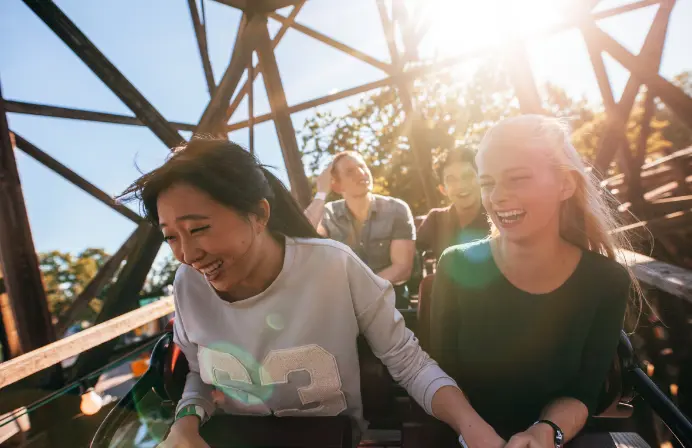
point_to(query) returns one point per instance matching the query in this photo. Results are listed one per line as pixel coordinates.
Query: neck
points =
(268, 265)
(468, 213)
(359, 205)
(534, 257)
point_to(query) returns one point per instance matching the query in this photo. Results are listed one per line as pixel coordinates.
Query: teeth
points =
(510, 213)
(210, 269)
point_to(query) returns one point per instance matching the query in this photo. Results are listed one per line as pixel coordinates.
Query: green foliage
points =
(451, 113)
(66, 275)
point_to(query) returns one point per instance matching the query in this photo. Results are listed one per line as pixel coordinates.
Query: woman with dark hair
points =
(267, 313)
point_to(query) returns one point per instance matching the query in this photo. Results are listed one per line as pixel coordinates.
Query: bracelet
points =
(321, 195)
(559, 435)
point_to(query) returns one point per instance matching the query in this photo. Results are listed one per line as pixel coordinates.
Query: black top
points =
(513, 352)
(441, 229)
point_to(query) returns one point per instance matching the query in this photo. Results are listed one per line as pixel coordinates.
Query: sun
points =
(458, 26)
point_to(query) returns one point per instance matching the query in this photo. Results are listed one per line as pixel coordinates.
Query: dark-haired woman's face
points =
(212, 238)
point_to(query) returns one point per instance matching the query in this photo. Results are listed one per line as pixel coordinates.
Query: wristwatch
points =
(191, 409)
(559, 435)
(321, 195)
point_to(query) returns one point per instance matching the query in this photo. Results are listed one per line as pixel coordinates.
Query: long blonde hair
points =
(588, 218)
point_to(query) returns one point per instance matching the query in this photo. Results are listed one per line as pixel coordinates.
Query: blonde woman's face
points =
(520, 190)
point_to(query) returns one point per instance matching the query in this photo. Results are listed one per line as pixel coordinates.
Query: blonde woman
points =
(527, 321)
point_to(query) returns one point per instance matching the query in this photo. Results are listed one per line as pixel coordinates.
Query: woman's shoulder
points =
(321, 247)
(475, 252)
(604, 270)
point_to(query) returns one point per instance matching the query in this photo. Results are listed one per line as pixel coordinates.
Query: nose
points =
(498, 195)
(188, 252)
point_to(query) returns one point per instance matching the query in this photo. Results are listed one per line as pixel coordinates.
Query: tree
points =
(66, 275)
(161, 276)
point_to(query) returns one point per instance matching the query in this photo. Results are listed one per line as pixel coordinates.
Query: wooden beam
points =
(50, 355)
(61, 25)
(213, 116)
(74, 178)
(671, 222)
(44, 110)
(387, 68)
(21, 273)
(413, 73)
(520, 74)
(201, 36)
(652, 50)
(666, 277)
(421, 152)
(123, 296)
(258, 68)
(96, 284)
(315, 102)
(239, 4)
(282, 119)
(9, 338)
(273, 5)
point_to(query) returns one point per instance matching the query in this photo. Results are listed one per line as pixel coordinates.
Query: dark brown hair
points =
(449, 157)
(231, 176)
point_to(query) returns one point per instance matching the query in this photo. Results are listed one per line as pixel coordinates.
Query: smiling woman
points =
(528, 320)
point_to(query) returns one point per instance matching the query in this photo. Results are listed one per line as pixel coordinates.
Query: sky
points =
(152, 43)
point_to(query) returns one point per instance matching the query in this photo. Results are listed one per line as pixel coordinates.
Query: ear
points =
(442, 190)
(568, 185)
(263, 214)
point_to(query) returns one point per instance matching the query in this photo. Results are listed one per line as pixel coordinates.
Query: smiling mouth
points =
(511, 217)
(211, 270)
(463, 194)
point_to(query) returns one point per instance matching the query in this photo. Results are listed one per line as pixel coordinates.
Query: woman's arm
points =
(384, 328)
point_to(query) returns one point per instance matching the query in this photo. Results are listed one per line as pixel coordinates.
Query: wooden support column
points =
(213, 117)
(519, 70)
(421, 153)
(282, 119)
(201, 35)
(244, 90)
(9, 338)
(123, 296)
(21, 273)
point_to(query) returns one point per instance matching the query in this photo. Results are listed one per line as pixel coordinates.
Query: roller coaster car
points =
(385, 406)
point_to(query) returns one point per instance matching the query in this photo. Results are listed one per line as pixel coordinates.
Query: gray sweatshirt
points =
(291, 350)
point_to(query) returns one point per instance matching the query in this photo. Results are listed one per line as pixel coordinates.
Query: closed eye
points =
(199, 229)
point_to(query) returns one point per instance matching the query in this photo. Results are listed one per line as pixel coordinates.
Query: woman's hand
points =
(184, 434)
(537, 436)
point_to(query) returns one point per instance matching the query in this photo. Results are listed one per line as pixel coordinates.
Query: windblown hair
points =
(231, 176)
(588, 218)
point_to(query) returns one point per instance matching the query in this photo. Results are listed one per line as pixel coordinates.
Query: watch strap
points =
(559, 435)
(191, 409)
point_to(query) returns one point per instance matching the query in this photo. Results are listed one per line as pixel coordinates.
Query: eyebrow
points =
(190, 217)
(509, 171)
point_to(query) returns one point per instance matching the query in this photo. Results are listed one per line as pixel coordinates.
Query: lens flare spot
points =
(275, 321)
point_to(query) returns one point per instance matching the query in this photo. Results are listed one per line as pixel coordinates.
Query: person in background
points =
(528, 320)
(379, 229)
(464, 220)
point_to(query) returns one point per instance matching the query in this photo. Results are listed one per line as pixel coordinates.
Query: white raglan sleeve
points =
(196, 391)
(394, 344)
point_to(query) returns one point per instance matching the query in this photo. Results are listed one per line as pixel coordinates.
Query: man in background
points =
(379, 229)
(464, 220)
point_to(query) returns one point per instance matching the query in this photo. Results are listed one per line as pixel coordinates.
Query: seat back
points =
(424, 308)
